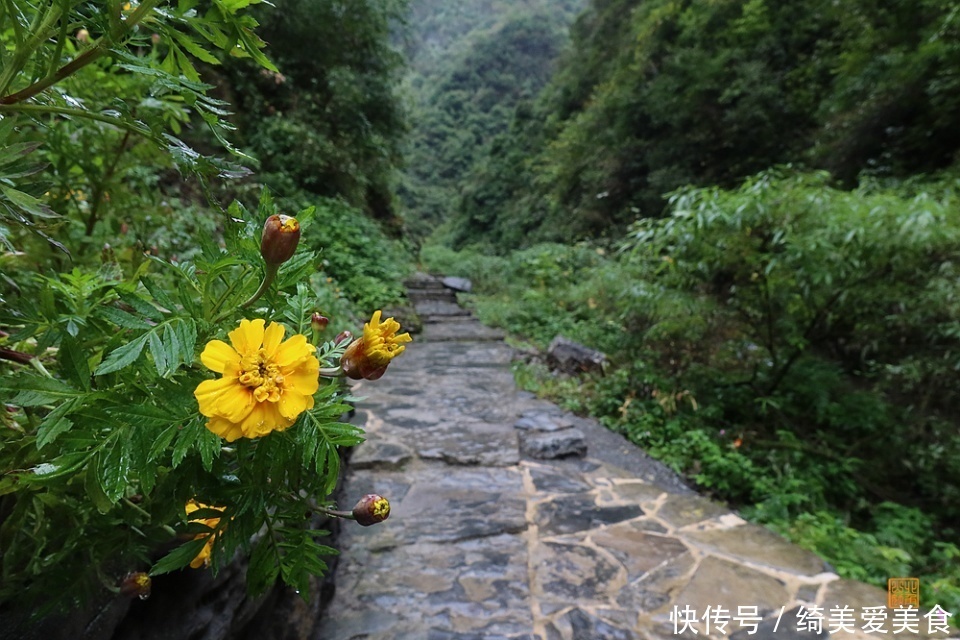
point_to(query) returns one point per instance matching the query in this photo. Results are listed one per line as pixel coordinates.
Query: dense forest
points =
(752, 208)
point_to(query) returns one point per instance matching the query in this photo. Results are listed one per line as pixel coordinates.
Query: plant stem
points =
(40, 28)
(268, 278)
(72, 111)
(40, 35)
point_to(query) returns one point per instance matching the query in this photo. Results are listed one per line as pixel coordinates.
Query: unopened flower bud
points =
(155, 38)
(343, 336)
(136, 584)
(281, 234)
(319, 322)
(83, 35)
(371, 509)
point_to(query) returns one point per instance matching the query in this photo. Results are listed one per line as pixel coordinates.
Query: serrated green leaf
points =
(142, 306)
(179, 557)
(91, 483)
(209, 445)
(28, 203)
(158, 352)
(121, 318)
(171, 344)
(73, 362)
(263, 569)
(55, 423)
(142, 415)
(158, 293)
(147, 477)
(186, 440)
(330, 469)
(16, 151)
(163, 441)
(122, 356)
(185, 64)
(66, 465)
(187, 332)
(194, 49)
(113, 467)
(34, 391)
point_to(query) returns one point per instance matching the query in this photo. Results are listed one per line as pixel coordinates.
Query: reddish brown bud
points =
(281, 234)
(371, 509)
(136, 584)
(319, 322)
(343, 336)
(357, 366)
(83, 35)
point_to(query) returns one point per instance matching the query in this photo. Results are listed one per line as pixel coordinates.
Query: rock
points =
(580, 625)
(574, 358)
(458, 284)
(553, 444)
(533, 421)
(571, 513)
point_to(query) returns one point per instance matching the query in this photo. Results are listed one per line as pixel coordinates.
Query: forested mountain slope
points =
(658, 94)
(471, 65)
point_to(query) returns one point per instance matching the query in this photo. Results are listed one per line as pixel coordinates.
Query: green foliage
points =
(788, 346)
(329, 122)
(656, 95)
(106, 79)
(113, 277)
(363, 265)
(472, 67)
(106, 446)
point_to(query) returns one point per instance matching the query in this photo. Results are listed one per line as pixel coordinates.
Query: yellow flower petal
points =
(248, 337)
(227, 430)
(271, 339)
(293, 351)
(303, 378)
(224, 397)
(292, 403)
(264, 418)
(220, 357)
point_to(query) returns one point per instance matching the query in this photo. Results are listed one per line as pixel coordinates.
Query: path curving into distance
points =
(486, 541)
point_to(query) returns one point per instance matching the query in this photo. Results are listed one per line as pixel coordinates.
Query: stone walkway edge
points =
(514, 520)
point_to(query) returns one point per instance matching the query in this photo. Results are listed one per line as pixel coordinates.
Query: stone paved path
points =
(485, 541)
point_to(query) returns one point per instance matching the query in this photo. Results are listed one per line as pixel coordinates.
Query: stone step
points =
(432, 294)
(424, 281)
(464, 331)
(439, 308)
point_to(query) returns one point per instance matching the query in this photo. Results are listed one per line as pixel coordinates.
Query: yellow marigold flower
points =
(266, 383)
(367, 357)
(203, 558)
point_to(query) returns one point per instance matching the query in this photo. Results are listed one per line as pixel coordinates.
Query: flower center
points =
(262, 376)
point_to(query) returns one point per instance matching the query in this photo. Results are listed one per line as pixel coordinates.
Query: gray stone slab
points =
(469, 588)
(443, 504)
(380, 454)
(553, 444)
(467, 330)
(571, 513)
(457, 284)
(427, 308)
(758, 546)
(469, 443)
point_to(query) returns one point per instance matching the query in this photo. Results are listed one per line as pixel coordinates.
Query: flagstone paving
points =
(492, 538)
